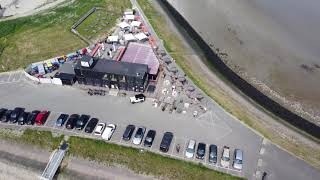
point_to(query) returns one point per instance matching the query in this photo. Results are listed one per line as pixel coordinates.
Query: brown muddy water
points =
(274, 44)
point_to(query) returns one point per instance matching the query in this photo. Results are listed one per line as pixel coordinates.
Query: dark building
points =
(66, 74)
(112, 74)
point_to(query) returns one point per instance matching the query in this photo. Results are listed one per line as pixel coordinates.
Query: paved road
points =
(281, 165)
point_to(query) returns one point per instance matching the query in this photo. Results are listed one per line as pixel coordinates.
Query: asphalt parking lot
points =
(210, 128)
(215, 127)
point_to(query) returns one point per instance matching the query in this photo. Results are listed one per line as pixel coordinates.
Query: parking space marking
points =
(173, 145)
(10, 77)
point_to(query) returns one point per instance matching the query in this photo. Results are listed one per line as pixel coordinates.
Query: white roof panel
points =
(123, 25)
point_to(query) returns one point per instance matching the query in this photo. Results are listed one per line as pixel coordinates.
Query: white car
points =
(190, 149)
(137, 98)
(225, 159)
(109, 130)
(137, 139)
(99, 129)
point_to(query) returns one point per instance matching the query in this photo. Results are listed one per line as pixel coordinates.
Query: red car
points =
(42, 117)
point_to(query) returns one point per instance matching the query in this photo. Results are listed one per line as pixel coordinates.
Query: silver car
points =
(238, 159)
(137, 139)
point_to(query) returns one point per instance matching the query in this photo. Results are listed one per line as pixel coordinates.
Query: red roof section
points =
(142, 54)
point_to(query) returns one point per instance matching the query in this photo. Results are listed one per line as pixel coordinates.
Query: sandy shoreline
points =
(19, 8)
(260, 50)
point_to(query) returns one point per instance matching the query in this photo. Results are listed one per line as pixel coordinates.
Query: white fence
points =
(56, 81)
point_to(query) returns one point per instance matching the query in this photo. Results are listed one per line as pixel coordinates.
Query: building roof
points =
(113, 39)
(135, 23)
(123, 25)
(141, 36)
(141, 54)
(129, 37)
(66, 68)
(129, 17)
(116, 67)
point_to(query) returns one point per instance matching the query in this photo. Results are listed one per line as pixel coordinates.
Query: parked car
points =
(72, 120)
(32, 117)
(137, 98)
(82, 121)
(7, 116)
(137, 139)
(201, 151)
(109, 130)
(91, 125)
(23, 118)
(190, 149)
(149, 138)
(42, 117)
(166, 141)
(128, 132)
(2, 113)
(238, 158)
(99, 129)
(213, 153)
(61, 120)
(225, 159)
(15, 114)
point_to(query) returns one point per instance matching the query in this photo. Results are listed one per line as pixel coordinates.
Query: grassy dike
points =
(45, 35)
(147, 163)
(42, 139)
(178, 51)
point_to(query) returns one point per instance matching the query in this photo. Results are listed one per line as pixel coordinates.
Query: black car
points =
(213, 151)
(61, 119)
(82, 121)
(72, 121)
(201, 151)
(32, 116)
(149, 138)
(2, 113)
(128, 132)
(15, 114)
(166, 141)
(7, 116)
(23, 118)
(91, 125)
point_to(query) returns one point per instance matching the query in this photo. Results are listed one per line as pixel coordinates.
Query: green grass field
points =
(147, 163)
(142, 162)
(98, 24)
(45, 35)
(43, 139)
